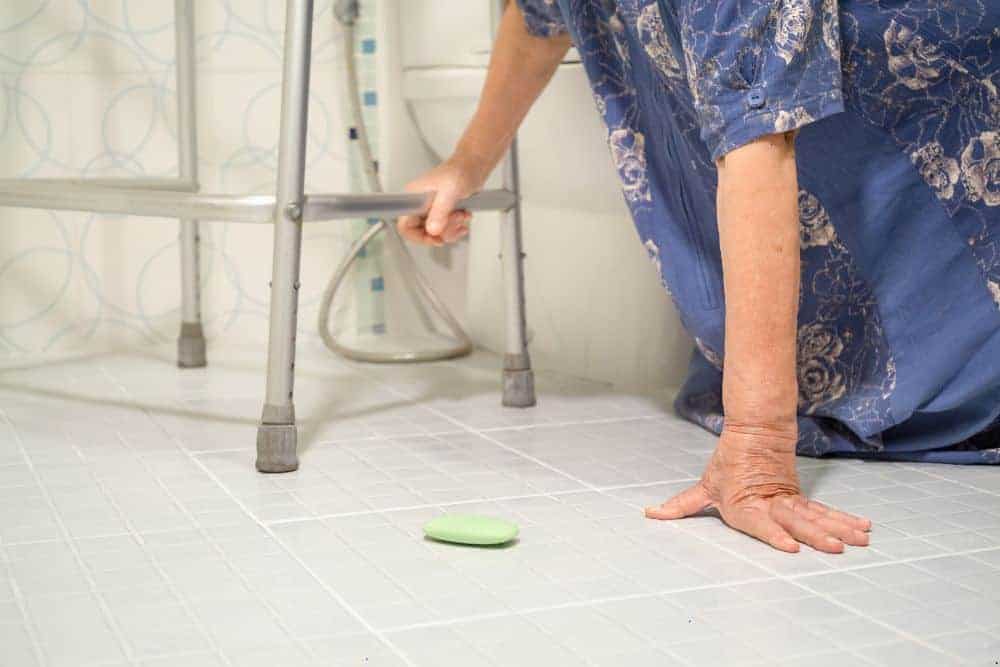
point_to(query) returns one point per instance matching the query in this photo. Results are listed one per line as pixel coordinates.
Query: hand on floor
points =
(752, 481)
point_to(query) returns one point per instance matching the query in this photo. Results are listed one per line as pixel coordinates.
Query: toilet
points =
(596, 308)
(442, 78)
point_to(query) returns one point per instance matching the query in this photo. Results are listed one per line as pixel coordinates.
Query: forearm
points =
(758, 231)
(520, 67)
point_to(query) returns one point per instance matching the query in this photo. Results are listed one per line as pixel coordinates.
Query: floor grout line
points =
(513, 450)
(208, 539)
(472, 501)
(913, 468)
(333, 593)
(29, 622)
(216, 649)
(232, 568)
(109, 618)
(732, 552)
(188, 610)
(893, 561)
(673, 591)
(329, 589)
(382, 510)
(558, 424)
(574, 604)
(802, 581)
(433, 434)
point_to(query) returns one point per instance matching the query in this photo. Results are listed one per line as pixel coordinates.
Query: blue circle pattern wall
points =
(87, 90)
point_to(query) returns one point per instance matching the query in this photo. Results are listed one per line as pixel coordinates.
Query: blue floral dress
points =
(898, 107)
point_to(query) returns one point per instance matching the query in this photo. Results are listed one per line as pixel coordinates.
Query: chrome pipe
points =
(391, 205)
(512, 256)
(518, 377)
(187, 156)
(130, 201)
(163, 184)
(171, 202)
(277, 435)
(191, 344)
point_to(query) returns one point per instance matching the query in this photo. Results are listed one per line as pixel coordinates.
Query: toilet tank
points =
(445, 32)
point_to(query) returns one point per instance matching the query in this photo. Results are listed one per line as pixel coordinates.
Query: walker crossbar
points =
(176, 199)
(285, 211)
(165, 184)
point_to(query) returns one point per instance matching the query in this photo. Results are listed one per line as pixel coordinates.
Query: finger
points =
(858, 522)
(441, 209)
(455, 233)
(756, 523)
(687, 502)
(412, 229)
(842, 530)
(421, 237)
(457, 227)
(805, 530)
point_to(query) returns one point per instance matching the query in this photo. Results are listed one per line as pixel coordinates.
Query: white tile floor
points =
(135, 531)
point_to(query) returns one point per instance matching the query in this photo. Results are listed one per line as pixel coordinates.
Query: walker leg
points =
(518, 378)
(277, 435)
(191, 343)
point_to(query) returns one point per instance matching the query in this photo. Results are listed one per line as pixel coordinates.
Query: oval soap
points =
(470, 529)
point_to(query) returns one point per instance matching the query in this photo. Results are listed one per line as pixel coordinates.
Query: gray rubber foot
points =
(519, 388)
(191, 347)
(276, 448)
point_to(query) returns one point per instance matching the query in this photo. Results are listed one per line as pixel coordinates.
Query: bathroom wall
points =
(87, 90)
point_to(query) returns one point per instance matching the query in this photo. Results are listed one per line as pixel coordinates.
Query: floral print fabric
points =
(898, 111)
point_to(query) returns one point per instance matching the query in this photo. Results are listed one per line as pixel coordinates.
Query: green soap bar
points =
(470, 529)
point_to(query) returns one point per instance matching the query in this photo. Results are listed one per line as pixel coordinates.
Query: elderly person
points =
(819, 188)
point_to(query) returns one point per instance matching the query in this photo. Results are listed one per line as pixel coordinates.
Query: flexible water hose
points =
(346, 14)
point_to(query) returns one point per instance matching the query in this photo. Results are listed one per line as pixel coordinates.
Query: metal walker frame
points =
(290, 207)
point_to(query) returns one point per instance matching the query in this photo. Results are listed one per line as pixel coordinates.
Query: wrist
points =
(761, 401)
(779, 435)
(474, 167)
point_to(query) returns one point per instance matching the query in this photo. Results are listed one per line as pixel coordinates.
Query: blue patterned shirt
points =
(897, 108)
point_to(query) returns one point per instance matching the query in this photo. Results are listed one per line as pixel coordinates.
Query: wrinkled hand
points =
(451, 181)
(752, 482)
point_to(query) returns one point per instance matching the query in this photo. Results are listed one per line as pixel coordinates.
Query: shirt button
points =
(756, 98)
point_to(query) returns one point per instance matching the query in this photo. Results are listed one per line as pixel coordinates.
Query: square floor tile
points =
(149, 538)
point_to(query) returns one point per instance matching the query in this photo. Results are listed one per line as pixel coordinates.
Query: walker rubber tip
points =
(518, 388)
(276, 448)
(470, 529)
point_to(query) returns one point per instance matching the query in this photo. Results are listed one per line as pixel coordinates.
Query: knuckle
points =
(776, 537)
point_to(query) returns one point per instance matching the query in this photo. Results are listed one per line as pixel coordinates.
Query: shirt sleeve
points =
(758, 67)
(543, 17)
